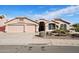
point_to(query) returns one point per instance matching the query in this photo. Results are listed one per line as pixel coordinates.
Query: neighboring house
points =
(23, 24)
(2, 23)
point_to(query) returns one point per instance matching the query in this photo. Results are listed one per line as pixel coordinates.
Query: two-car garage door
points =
(14, 28)
(20, 28)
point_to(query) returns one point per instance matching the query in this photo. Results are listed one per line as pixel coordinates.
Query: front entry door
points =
(41, 26)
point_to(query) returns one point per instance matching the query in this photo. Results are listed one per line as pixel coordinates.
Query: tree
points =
(76, 27)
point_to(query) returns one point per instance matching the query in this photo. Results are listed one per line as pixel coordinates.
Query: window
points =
(63, 27)
(51, 26)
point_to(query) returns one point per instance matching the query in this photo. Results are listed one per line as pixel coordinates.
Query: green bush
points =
(76, 26)
(77, 29)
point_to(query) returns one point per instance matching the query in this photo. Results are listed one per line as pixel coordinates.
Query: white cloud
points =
(57, 13)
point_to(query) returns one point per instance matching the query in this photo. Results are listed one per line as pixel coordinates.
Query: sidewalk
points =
(62, 42)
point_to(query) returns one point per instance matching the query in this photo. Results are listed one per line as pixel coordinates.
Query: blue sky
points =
(34, 12)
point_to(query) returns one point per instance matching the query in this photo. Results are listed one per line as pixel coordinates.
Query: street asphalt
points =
(38, 49)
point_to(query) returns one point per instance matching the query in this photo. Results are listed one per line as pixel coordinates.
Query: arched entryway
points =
(41, 26)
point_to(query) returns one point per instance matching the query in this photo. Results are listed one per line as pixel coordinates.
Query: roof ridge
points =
(22, 18)
(61, 20)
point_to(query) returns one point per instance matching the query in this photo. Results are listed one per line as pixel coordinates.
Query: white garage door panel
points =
(30, 28)
(14, 28)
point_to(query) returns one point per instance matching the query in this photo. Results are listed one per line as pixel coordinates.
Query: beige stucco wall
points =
(17, 20)
(30, 22)
(46, 24)
(12, 21)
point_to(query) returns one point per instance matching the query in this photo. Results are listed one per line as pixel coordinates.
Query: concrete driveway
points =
(20, 39)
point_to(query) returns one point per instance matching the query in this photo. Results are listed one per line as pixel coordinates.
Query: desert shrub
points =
(62, 32)
(54, 31)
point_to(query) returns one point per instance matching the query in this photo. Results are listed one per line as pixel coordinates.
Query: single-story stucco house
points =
(24, 24)
(21, 24)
